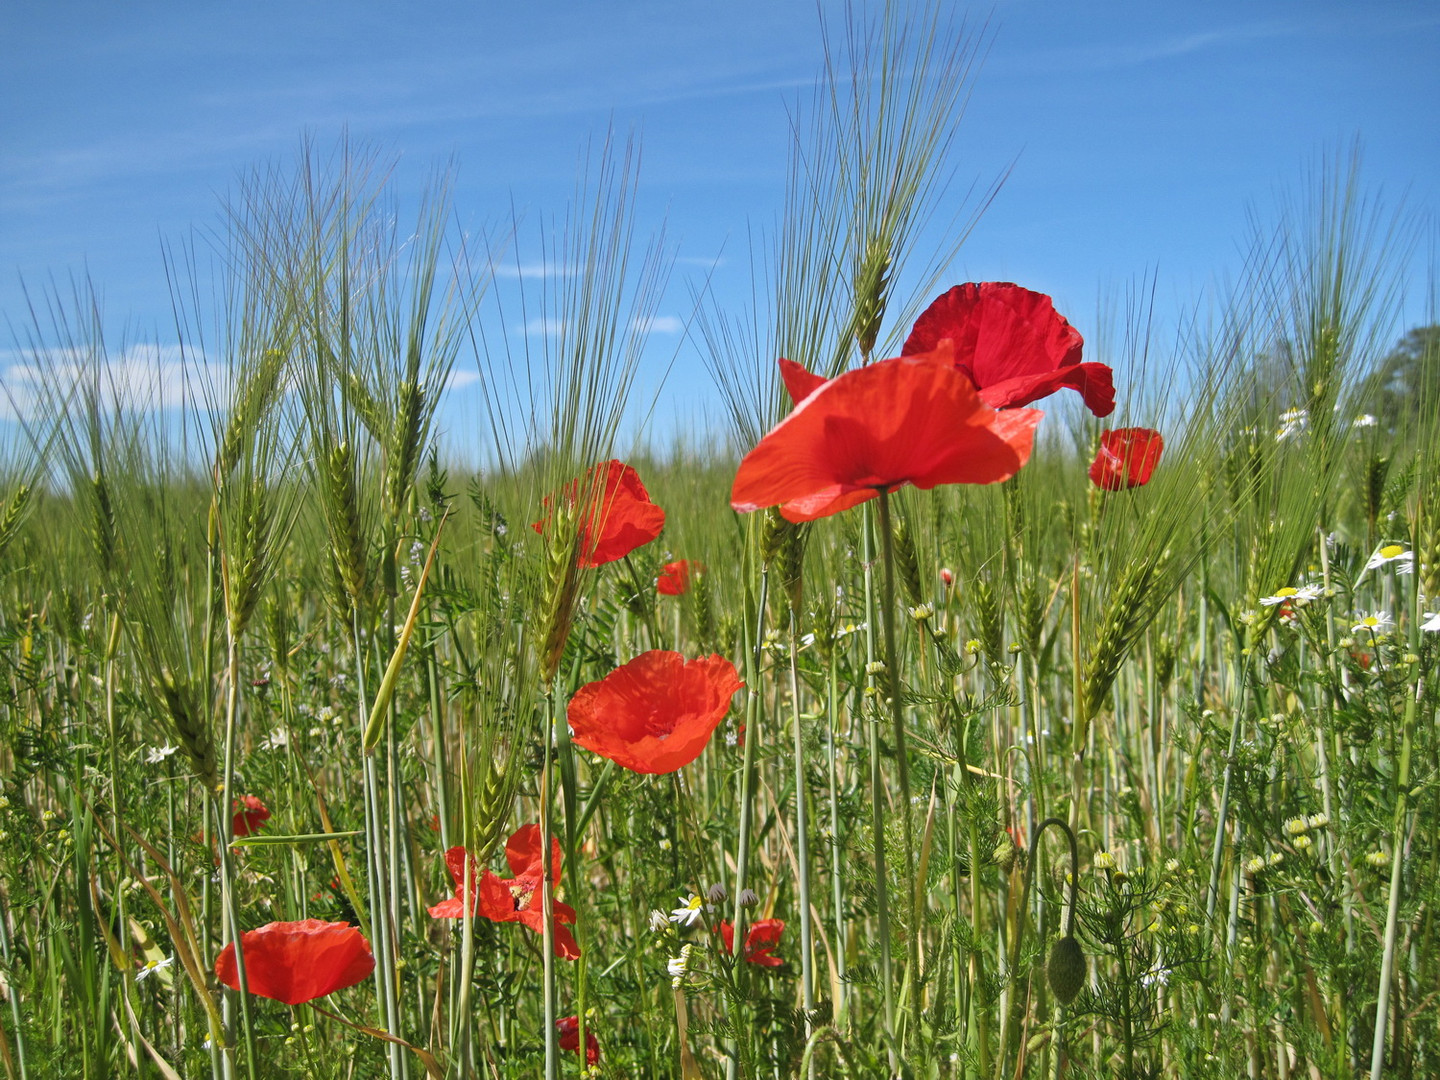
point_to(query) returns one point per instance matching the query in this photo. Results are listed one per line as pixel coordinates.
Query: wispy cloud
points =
(659, 324)
(143, 378)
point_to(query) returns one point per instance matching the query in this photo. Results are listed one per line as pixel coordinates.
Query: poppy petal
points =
(1126, 458)
(618, 516)
(295, 962)
(1013, 344)
(799, 382)
(656, 713)
(895, 422)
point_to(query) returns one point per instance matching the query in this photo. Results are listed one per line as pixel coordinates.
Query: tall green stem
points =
(897, 719)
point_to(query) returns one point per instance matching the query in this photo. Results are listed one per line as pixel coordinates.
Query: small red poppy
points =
(654, 714)
(1125, 458)
(1013, 344)
(517, 899)
(295, 962)
(250, 814)
(675, 577)
(764, 935)
(569, 1029)
(911, 420)
(618, 516)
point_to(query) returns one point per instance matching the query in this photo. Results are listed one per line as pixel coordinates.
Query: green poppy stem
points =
(897, 717)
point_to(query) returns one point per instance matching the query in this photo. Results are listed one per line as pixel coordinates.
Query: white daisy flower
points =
(157, 754)
(1432, 622)
(1392, 553)
(1377, 623)
(688, 914)
(1364, 420)
(151, 966)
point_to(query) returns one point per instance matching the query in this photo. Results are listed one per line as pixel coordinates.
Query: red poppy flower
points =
(296, 962)
(569, 1029)
(1013, 344)
(911, 420)
(250, 814)
(675, 577)
(517, 899)
(764, 935)
(618, 516)
(1126, 458)
(654, 714)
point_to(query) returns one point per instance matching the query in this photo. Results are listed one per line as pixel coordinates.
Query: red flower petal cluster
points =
(295, 962)
(569, 1029)
(250, 814)
(1013, 344)
(617, 518)
(1126, 458)
(764, 935)
(516, 899)
(675, 577)
(654, 714)
(911, 420)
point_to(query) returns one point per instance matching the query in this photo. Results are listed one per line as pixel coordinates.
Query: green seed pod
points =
(1066, 969)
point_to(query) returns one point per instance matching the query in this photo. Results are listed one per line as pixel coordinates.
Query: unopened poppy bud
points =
(717, 893)
(1005, 853)
(1066, 969)
(748, 898)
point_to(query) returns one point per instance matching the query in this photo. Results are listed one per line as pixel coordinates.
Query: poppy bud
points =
(1066, 969)
(748, 898)
(718, 893)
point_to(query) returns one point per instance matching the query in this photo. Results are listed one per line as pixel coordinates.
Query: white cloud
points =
(144, 378)
(659, 324)
(461, 378)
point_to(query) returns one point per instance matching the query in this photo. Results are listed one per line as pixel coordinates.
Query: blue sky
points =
(1141, 134)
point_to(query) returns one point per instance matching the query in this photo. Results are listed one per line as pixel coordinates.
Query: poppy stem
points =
(877, 789)
(747, 776)
(897, 717)
(802, 846)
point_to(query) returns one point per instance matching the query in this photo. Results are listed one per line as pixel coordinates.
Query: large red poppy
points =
(675, 577)
(250, 814)
(618, 516)
(654, 714)
(1126, 457)
(1013, 344)
(911, 420)
(516, 899)
(764, 935)
(569, 1029)
(295, 962)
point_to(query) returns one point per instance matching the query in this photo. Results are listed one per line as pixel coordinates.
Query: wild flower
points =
(616, 514)
(1012, 343)
(516, 899)
(1431, 622)
(296, 962)
(250, 814)
(688, 913)
(760, 940)
(569, 1029)
(1126, 458)
(156, 754)
(1293, 424)
(1377, 623)
(910, 420)
(150, 967)
(675, 576)
(1392, 553)
(656, 713)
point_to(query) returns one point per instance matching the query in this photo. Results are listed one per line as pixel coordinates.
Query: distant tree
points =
(1405, 385)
